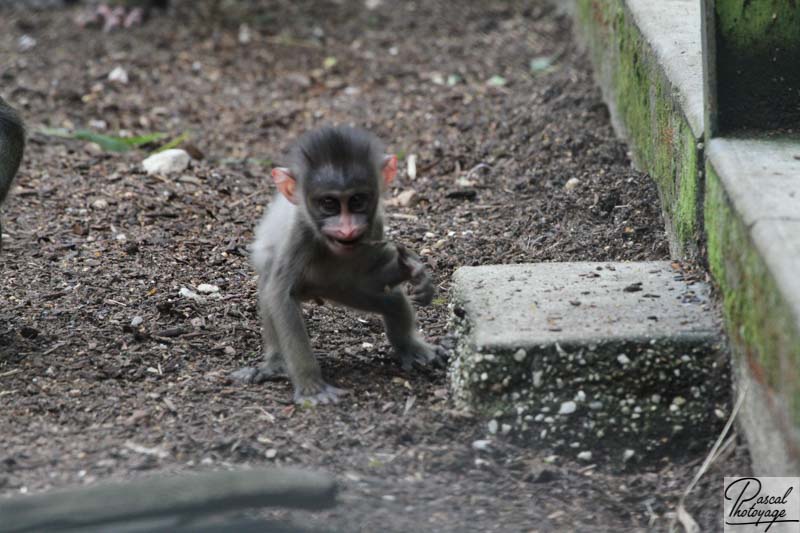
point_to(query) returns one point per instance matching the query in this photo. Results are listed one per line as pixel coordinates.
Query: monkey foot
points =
(422, 355)
(321, 393)
(110, 18)
(256, 374)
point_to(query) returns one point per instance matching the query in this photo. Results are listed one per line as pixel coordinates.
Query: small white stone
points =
(118, 75)
(207, 288)
(505, 429)
(136, 321)
(245, 35)
(26, 42)
(679, 400)
(623, 359)
(411, 165)
(628, 454)
(388, 498)
(520, 355)
(481, 445)
(537, 379)
(167, 162)
(567, 408)
(271, 453)
(492, 426)
(572, 183)
(585, 456)
(407, 198)
(580, 396)
(187, 293)
(100, 204)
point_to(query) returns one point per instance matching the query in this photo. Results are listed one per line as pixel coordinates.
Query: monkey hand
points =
(422, 289)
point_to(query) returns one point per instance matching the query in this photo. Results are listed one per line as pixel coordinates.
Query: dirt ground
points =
(91, 243)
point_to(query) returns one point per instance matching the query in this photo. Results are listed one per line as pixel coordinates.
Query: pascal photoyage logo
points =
(761, 504)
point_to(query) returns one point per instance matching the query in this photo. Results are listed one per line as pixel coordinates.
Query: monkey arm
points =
(391, 269)
(12, 143)
(395, 264)
(422, 289)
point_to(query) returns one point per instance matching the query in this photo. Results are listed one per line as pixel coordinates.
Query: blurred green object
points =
(106, 142)
(541, 64)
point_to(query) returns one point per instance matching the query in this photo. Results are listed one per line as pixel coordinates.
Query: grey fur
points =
(12, 145)
(294, 263)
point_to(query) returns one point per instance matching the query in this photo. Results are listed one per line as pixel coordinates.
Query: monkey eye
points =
(329, 205)
(358, 203)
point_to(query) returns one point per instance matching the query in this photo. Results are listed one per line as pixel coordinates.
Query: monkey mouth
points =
(343, 245)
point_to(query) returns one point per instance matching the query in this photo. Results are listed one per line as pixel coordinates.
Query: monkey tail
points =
(12, 144)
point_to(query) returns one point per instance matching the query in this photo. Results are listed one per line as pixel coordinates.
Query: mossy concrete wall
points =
(757, 64)
(742, 222)
(763, 330)
(647, 112)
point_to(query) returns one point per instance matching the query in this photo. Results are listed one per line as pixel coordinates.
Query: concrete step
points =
(677, 75)
(620, 359)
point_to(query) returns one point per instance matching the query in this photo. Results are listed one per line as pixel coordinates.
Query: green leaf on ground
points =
(497, 81)
(109, 143)
(541, 64)
(174, 143)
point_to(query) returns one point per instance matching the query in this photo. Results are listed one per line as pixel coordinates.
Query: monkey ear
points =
(389, 169)
(285, 182)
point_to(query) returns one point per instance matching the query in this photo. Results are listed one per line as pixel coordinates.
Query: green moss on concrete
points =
(758, 53)
(687, 220)
(644, 108)
(758, 27)
(760, 324)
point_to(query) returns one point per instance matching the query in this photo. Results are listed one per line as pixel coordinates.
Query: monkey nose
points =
(348, 235)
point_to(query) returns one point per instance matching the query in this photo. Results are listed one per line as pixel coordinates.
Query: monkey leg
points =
(273, 365)
(400, 324)
(301, 365)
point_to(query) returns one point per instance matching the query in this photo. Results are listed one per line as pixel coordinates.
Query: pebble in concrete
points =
(608, 356)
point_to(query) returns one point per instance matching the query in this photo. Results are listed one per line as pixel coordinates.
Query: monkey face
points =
(336, 178)
(343, 218)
